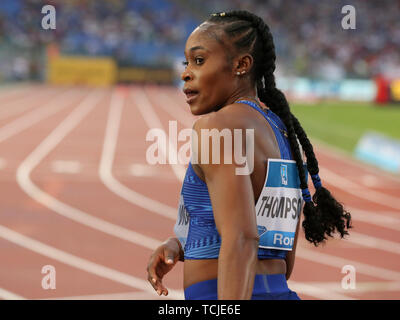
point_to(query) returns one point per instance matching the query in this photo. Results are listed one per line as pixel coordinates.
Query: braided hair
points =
(323, 215)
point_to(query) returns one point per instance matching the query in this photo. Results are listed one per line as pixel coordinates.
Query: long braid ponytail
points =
(323, 215)
(334, 216)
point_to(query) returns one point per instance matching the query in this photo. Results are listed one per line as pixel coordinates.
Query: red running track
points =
(78, 194)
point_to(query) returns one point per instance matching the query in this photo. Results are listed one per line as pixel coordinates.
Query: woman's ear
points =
(244, 64)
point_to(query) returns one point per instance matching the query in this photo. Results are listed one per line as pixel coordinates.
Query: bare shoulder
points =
(220, 134)
(233, 116)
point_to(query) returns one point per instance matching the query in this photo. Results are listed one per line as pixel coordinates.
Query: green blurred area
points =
(342, 124)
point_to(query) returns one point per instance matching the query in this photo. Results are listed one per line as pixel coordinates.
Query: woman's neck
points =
(249, 94)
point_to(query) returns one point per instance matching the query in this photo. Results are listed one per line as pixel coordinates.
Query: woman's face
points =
(209, 76)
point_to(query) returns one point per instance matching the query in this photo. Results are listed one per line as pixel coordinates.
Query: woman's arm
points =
(232, 199)
(233, 205)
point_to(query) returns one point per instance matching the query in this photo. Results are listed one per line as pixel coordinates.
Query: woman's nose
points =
(186, 75)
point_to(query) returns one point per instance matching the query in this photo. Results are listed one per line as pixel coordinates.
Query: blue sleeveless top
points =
(195, 227)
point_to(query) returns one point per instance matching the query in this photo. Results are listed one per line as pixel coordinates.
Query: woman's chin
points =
(196, 110)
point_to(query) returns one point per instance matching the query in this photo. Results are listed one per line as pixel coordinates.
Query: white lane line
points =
(107, 159)
(375, 243)
(357, 190)
(371, 181)
(53, 106)
(7, 295)
(146, 170)
(23, 103)
(41, 151)
(66, 166)
(337, 262)
(378, 219)
(153, 121)
(80, 263)
(141, 295)
(316, 291)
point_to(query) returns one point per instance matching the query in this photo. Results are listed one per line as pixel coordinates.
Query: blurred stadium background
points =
(309, 39)
(344, 85)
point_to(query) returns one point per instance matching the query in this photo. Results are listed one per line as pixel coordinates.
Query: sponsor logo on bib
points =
(284, 174)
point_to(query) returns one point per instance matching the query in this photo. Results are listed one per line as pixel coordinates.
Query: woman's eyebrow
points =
(197, 48)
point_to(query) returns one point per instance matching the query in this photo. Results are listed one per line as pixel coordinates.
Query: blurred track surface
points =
(78, 194)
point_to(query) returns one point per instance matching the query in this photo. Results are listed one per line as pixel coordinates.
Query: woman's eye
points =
(199, 60)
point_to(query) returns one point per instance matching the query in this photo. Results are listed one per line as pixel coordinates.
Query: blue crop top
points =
(195, 227)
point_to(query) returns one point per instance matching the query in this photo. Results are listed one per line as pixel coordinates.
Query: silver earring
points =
(238, 73)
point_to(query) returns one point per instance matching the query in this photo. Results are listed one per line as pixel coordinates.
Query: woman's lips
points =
(191, 96)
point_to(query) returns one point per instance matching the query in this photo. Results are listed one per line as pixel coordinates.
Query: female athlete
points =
(236, 233)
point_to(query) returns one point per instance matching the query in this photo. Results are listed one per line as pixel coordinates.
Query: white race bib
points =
(279, 205)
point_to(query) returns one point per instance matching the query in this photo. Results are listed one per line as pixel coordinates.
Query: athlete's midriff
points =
(201, 270)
